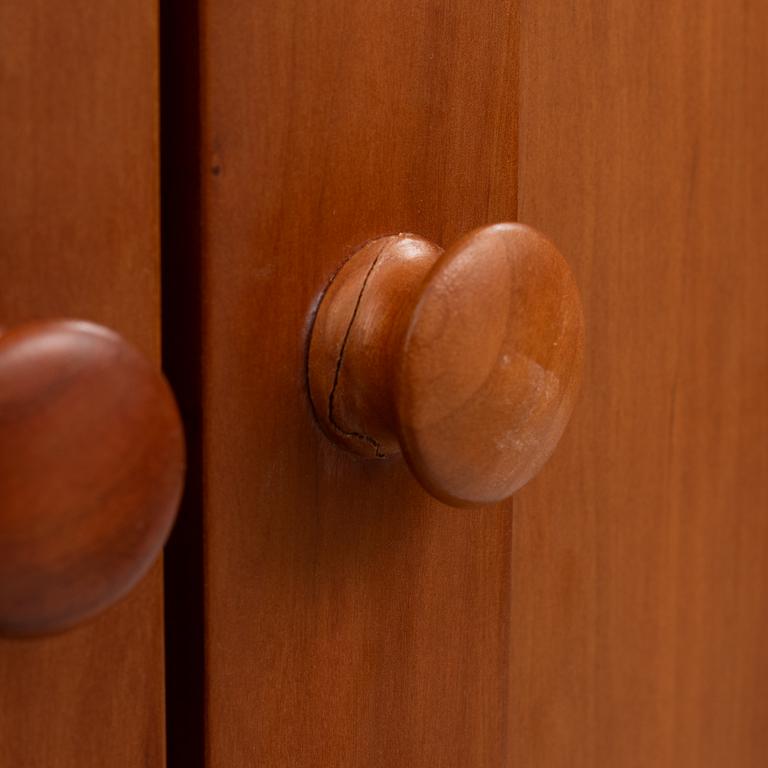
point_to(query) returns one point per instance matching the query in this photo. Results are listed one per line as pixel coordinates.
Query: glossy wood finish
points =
(640, 560)
(351, 620)
(91, 470)
(79, 237)
(467, 360)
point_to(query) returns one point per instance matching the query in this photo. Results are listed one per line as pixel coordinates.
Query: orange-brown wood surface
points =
(640, 553)
(351, 620)
(79, 237)
(619, 618)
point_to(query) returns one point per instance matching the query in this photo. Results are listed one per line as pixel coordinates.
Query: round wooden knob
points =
(466, 360)
(91, 472)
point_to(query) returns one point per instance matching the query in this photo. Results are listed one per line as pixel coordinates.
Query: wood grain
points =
(79, 236)
(640, 568)
(350, 619)
(467, 360)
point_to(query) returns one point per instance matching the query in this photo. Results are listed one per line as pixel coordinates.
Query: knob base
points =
(356, 339)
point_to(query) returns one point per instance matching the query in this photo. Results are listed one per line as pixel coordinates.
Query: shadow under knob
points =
(467, 360)
(91, 472)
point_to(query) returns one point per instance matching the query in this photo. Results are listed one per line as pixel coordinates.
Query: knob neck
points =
(357, 337)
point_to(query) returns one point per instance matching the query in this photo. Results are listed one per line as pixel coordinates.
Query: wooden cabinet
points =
(323, 609)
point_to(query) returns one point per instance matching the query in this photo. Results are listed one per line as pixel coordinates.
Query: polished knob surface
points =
(91, 472)
(467, 360)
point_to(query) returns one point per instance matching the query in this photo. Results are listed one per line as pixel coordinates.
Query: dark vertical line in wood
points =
(182, 344)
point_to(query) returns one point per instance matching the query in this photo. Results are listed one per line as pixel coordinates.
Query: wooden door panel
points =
(79, 237)
(618, 618)
(350, 619)
(640, 555)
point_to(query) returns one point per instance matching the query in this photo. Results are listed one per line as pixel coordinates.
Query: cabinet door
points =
(640, 554)
(351, 619)
(79, 237)
(614, 612)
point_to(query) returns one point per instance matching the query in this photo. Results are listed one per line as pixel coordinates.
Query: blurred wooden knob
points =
(91, 472)
(467, 360)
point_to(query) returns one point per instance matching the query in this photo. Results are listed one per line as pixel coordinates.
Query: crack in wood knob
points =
(91, 472)
(467, 360)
